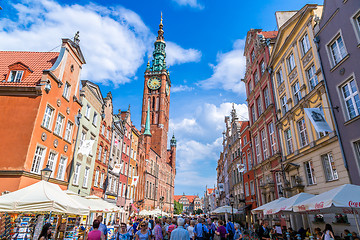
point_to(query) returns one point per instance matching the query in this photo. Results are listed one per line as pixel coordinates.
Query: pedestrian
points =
(230, 230)
(216, 222)
(130, 230)
(180, 233)
(237, 234)
(348, 235)
(263, 231)
(96, 233)
(211, 227)
(122, 233)
(143, 233)
(200, 230)
(151, 223)
(165, 228)
(308, 233)
(354, 235)
(221, 230)
(317, 233)
(328, 232)
(157, 230)
(191, 229)
(102, 227)
(45, 232)
(171, 227)
(187, 223)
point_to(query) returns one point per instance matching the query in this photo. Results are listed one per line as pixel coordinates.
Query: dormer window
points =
(15, 76)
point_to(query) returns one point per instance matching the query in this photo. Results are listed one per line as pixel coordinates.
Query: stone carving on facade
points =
(293, 75)
(307, 59)
(281, 88)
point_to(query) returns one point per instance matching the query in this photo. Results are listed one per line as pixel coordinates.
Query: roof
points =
(189, 197)
(210, 190)
(269, 34)
(35, 61)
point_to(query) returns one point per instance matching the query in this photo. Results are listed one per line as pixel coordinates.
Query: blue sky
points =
(205, 41)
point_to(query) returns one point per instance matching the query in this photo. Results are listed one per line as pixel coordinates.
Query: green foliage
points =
(199, 211)
(178, 207)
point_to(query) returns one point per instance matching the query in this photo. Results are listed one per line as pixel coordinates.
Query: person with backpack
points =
(230, 230)
(201, 231)
(221, 230)
(212, 228)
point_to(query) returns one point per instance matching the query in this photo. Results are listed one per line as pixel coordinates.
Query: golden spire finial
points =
(161, 24)
(161, 31)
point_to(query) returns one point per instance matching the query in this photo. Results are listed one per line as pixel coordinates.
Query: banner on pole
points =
(317, 119)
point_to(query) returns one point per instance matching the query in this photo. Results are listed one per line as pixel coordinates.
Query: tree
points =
(178, 207)
(199, 211)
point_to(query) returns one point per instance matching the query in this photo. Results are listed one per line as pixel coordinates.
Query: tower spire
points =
(147, 123)
(160, 36)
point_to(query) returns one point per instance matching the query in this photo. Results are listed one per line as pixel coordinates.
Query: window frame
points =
(68, 133)
(50, 119)
(272, 137)
(310, 78)
(289, 142)
(309, 173)
(303, 135)
(355, 21)
(67, 90)
(284, 104)
(279, 77)
(40, 159)
(16, 76)
(62, 177)
(331, 56)
(264, 144)
(351, 97)
(88, 111)
(290, 62)
(302, 45)
(257, 149)
(61, 129)
(54, 163)
(266, 97)
(96, 179)
(77, 171)
(296, 92)
(331, 164)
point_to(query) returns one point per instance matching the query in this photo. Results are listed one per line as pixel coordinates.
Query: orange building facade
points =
(39, 104)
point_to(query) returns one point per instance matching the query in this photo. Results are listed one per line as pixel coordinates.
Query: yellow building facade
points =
(312, 162)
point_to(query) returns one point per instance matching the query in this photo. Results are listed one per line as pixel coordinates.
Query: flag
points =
(240, 167)
(221, 187)
(86, 147)
(135, 181)
(117, 168)
(317, 119)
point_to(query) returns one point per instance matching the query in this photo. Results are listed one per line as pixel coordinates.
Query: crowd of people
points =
(202, 228)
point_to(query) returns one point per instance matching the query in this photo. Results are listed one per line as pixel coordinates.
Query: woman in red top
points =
(96, 234)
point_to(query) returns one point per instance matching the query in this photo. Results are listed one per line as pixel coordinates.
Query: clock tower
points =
(156, 97)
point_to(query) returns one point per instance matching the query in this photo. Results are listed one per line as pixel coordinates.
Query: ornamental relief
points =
(281, 89)
(293, 75)
(307, 58)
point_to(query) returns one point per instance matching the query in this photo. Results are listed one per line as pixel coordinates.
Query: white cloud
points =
(114, 40)
(181, 88)
(200, 142)
(177, 55)
(190, 3)
(229, 70)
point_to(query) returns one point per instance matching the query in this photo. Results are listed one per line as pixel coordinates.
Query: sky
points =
(204, 45)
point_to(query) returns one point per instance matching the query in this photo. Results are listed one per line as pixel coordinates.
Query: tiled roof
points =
(189, 197)
(269, 34)
(36, 61)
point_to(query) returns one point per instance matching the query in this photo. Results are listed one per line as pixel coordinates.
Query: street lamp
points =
(46, 173)
(232, 201)
(161, 203)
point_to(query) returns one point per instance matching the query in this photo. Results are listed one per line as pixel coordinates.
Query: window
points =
(109, 183)
(126, 169)
(102, 178)
(128, 192)
(77, 174)
(130, 172)
(59, 125)
(124, 190)
(264, 144)
(291, 62)
(52, 162)
(252, 56)
(351, 99)
(357, 149)
(302, 132)
(262, 67)
(15, 76)
(257, 149)
(249, 160)
(357, 21)
(256, 77)
(312, 77)
(253, 115)
(244, 142)
(100, 151)
(97, 173)
(107, 133)
(337, 50)
(68, 131)
(329, 167)
(62, 168)
(87, 112)
(305, 44)
(309, 172)
(252, 187)
(47, 117)
(250, 86)
(272, 138)
(288, 139)
(103, 130)
(38, 160)
(247, 189)
(284, 106)
(244, 162)
(104, 157)
(67, 90)
(279, 77)
(95, 118)
(266, 97)
(296, 92)
(259, 106)
(278, 178)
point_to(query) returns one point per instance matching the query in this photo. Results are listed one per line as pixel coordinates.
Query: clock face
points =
(167, 89)
(154, 83)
